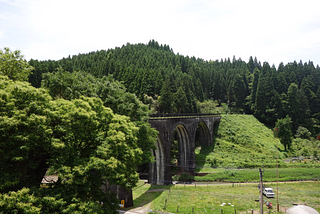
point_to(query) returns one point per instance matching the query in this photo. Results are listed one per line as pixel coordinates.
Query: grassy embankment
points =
(240, 141)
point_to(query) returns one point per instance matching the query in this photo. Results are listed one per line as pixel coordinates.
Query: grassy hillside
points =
(240, 141)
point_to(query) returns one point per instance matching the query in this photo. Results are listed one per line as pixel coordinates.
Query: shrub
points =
(303, 133)
(183, 177)
(175, 177)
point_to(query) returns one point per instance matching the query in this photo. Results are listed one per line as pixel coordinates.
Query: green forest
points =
(173, 83)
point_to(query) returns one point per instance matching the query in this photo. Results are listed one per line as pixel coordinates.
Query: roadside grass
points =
(230, 197)
(269, 175)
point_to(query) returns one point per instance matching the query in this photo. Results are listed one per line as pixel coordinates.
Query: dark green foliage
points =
(39, 201)
(166, 98)
(283, 131)
(303, 133)
(239, 91)
(156, 71)
(305, 146)
(293, 102)
(181, 102)
(264, 95)
(113, 94)
(184, 177)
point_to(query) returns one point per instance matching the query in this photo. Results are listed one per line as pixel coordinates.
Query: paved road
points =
(129, 212)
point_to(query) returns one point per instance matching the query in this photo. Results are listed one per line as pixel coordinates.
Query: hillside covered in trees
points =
(177, 84)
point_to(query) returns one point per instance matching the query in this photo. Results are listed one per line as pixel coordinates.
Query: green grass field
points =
(270, 175)
(228, 197)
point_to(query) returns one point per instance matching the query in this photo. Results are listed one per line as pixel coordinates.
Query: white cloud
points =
(10, 2)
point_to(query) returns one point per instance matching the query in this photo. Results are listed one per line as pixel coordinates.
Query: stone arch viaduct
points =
(183, 128)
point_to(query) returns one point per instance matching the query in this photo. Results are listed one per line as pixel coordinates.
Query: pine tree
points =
(293, 104)
(253, 89)
(239, 91)
(181, 101)
(166, 97)
(264, 94)
(307, 85)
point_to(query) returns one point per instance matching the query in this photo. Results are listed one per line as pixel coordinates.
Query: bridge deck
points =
(186, 115)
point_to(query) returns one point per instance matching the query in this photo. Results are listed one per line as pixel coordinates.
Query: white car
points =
(268, 192)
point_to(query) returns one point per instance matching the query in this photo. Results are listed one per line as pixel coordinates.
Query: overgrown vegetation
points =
(241, 141)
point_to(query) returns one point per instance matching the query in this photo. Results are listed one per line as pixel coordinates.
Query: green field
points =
(209, 198)
(269, 175)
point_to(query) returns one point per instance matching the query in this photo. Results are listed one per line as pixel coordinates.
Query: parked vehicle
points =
(268, 192)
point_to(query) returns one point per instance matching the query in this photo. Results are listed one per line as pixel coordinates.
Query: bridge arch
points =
(205, 138)
(182, 136)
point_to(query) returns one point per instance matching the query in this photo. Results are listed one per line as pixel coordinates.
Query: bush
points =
(175, 177)
(183, 177)
(31, 201)
(303, 133)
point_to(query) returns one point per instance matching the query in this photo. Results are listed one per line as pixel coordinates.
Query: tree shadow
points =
(201, 157)
(148, 194)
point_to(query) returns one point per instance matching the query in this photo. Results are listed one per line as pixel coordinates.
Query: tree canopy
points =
(283, 131)
(13, 65)
(66, 85)
(80, 139)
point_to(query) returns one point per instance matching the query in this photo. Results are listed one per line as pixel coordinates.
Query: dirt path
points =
(145, 208)
(138, 210)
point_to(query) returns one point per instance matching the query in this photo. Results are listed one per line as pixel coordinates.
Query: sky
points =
(274, 31)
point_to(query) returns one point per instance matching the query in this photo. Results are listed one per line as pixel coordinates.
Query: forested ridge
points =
(179, 83)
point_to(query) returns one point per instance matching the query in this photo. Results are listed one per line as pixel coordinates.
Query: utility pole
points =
(261, 195)
(277, 179)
